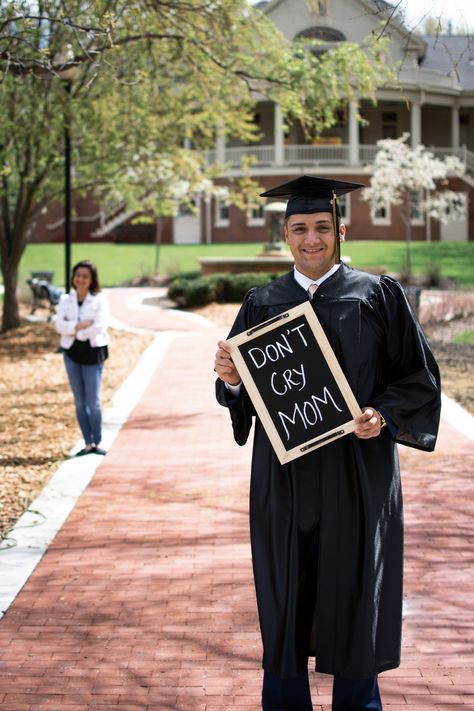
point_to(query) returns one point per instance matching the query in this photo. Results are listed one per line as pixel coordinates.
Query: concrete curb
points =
(457, 417)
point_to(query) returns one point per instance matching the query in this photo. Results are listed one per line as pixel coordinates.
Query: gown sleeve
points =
(240, 406)
(412, 396)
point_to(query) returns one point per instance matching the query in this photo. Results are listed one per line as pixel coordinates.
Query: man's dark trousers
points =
(294, 694)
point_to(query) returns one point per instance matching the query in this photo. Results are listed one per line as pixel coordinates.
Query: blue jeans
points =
(294, 694)
(85, 385)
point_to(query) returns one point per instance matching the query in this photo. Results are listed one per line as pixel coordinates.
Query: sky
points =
(459, 12)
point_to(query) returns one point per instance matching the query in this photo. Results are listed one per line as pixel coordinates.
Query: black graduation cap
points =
(308, 194)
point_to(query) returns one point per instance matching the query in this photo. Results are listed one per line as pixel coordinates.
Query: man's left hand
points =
(368, 424)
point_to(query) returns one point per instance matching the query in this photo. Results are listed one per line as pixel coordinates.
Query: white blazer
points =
(95, 308)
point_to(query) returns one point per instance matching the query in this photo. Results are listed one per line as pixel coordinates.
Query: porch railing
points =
(465, 155)
(309, 155)
(319, 155)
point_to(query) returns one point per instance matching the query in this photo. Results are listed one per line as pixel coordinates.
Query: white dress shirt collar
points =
(306, 282)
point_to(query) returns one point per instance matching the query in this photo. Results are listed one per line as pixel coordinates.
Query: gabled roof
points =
(380, 9)
(452, 55)
(391, 11)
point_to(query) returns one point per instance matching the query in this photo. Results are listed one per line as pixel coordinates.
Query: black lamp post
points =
(69, 73)
(67, 189)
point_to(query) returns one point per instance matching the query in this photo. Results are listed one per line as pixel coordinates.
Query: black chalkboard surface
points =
(295, 382)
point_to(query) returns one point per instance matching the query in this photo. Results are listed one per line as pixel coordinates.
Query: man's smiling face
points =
(312, 242)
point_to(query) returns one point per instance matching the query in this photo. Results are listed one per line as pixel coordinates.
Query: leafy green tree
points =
(153, 76)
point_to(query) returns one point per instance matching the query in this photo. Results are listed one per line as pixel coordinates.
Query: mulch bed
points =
(455, 360)
(37, 421)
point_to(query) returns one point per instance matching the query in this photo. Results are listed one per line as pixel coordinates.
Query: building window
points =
(256, 217)
(382, 215)
(323, 34)
(222, 214)
(416, 215)
(344, 203)
(187, 209)
(389, 124)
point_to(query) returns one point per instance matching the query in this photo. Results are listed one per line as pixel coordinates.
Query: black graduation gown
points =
(327, 528)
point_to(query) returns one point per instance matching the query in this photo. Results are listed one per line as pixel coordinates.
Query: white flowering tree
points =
(399, 172)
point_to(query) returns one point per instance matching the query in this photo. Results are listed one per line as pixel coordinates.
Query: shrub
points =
(184, 275)
(177, 289)
(189, 290)
(192, 292)
(200, 292)
(233, 287)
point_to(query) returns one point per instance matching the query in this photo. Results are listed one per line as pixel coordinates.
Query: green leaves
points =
(153, 76)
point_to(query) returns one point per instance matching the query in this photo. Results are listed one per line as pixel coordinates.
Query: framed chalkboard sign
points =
(295, 382)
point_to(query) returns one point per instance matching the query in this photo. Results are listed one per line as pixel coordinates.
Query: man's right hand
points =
(224, 365)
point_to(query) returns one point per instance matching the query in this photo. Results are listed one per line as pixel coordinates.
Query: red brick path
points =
(145, 599)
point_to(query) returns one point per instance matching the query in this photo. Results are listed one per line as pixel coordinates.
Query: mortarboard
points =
(308, 194)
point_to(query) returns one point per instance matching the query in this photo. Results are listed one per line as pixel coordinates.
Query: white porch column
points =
(415, 122)
(455, 126)
(220, 146)
(353, 133)
(279, 136)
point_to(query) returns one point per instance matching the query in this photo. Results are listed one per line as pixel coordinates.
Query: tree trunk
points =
(408, 236)
(12, 246)
(158, 232)
(13, 239)
(11, 312)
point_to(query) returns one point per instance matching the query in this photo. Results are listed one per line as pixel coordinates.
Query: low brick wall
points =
(238, 265)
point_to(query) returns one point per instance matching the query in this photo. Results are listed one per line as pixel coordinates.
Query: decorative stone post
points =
(353, 133)
(415, 122)
(279, 136)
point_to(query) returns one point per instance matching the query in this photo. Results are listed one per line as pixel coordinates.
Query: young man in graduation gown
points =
(327, 528)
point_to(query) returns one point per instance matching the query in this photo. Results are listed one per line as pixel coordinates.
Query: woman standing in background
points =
(82, 321)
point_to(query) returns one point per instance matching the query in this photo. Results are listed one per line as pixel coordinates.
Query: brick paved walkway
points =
(145, 598)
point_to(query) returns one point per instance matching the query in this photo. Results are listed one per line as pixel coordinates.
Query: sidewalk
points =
(145, 598)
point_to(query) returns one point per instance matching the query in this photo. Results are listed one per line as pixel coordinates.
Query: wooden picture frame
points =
(304, 407)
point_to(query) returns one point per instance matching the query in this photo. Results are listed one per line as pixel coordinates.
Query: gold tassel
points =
(336, 231)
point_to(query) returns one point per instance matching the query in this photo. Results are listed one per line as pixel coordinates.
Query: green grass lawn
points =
(119, 262)
(464, 337)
